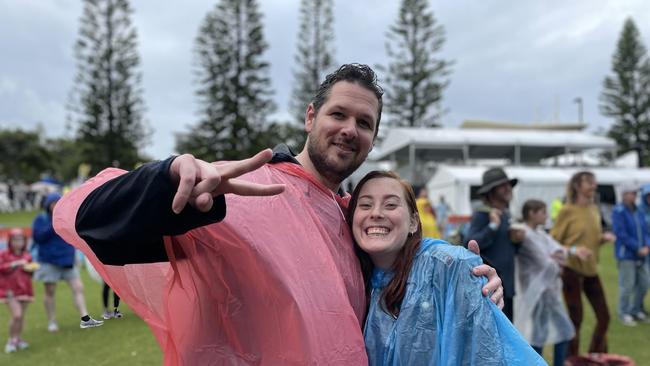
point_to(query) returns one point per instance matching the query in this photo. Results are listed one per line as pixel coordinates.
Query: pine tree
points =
(106, 102)
(626, 94)
(234, 87)
(314, 54)
(415, 78)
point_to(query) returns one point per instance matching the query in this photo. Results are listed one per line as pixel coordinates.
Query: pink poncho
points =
(275, 283)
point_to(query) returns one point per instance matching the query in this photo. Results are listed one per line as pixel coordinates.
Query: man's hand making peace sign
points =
(199, 181)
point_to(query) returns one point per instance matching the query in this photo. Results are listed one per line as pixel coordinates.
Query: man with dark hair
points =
(490, 226)
(361, 75)
(273, 282)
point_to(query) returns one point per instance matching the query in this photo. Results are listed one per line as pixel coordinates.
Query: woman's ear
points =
(415, 222)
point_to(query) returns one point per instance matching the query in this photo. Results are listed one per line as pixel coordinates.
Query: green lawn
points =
(629, 341)
(128, 341)
(23, 218)
(125, 341)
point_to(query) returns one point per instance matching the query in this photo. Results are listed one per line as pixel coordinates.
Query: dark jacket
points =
(631, 232)
(51, 247)
(124, 220)
(497, 249)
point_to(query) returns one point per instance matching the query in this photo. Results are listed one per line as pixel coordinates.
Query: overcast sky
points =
(516, 61)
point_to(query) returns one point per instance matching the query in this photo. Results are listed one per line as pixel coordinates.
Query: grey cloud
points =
(514, 60)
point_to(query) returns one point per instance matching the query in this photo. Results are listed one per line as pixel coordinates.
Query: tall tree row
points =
(416, 74)
(314, 56)
(106, 102)
(626, 94)
(26, 155)
(234, 88)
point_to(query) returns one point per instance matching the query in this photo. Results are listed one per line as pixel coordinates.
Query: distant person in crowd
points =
(425, 305)
(108, 313)
(490, 226)
(541, 316)
(57, 260)
(16, 290)
(427, 215)
(556, 206)
(631, 251)
(644, 207)
(443, 211)
(11, 195)
(579, 224)
(644, 204)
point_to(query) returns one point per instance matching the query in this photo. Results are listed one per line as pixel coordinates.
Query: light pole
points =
(578, 100)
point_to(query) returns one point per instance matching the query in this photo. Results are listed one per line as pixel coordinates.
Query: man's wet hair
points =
(355, 73)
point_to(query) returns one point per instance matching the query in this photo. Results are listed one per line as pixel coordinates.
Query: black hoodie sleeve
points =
(124, 220)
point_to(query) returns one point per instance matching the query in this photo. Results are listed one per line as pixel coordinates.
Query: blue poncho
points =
(444, 320)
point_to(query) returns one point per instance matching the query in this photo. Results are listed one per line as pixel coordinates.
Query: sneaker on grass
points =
(90, 323)
(628, 320)
(52, 327)
(117, 314)
(641, 316)
(107, 315)
(21, 345)
(10, 347)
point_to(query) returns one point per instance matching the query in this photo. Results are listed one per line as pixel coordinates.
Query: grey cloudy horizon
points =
(514, 61)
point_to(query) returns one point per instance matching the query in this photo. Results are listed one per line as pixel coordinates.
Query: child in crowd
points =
(16, 290)
(115, 313)
(541, 316)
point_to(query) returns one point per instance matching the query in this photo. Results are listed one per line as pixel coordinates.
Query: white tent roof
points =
(453, 138)
(457, 183)
(472, 175)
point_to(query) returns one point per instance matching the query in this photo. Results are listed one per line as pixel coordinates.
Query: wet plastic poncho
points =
(275, 283)
(540, 314)
(444, 319)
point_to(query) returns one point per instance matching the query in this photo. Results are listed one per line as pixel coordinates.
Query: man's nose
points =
(349, 128)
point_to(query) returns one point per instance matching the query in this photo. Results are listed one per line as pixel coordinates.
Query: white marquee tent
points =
(457, 183)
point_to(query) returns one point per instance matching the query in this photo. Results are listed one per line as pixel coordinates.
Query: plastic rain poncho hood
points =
(275, 283)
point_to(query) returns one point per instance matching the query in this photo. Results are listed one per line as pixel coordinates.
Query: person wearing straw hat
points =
(490, 226)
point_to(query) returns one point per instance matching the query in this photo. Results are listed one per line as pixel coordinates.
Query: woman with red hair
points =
(16, 290)
(425, 306)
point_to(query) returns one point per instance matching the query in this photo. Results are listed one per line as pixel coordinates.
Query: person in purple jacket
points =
(57, 260)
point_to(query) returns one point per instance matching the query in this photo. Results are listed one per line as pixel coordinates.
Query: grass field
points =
(128, 341)
(123, 342)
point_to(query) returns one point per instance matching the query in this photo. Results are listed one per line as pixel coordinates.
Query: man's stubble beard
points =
(324, 168)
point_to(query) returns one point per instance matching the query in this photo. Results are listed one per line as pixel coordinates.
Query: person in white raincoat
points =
(541, 316)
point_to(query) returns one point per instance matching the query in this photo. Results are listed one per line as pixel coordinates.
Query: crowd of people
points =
(546, 272)
(267, 261)
(18, 196)
(55, 261)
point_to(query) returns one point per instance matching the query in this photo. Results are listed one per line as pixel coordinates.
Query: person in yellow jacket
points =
(578, 224)
(556, 206)
(427, 215)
